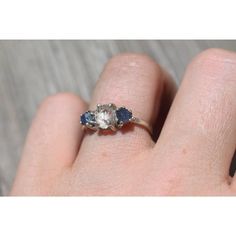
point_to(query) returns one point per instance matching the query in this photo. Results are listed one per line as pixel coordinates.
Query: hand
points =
(192, 155)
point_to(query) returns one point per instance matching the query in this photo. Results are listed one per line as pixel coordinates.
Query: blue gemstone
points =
(123, 115)
(87, 117)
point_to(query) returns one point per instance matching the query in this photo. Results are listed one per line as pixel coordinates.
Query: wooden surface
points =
(32, 70)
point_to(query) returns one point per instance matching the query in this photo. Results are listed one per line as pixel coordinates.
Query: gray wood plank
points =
(32, 70)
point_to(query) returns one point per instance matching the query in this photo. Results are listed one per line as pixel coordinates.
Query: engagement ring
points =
(110, 117)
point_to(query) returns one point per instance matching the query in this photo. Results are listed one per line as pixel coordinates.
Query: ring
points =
(110, 117)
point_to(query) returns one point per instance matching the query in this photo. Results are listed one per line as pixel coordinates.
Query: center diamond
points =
(106, 116)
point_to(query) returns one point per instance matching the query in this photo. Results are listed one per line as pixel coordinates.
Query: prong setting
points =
(132, 119)
(120, 124)
(113, 128)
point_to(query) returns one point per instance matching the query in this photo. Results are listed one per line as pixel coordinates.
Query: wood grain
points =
(32, 70)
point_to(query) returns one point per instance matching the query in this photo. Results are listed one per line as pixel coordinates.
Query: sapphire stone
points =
(123, 115)
(87, 117)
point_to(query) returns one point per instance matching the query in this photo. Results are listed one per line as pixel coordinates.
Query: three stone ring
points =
(111, 117)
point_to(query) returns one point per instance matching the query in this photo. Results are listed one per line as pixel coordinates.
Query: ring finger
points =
(136, 82)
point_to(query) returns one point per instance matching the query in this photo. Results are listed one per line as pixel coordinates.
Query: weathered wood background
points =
(32, 70)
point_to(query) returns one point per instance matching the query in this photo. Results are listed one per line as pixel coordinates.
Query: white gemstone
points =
(105, 116)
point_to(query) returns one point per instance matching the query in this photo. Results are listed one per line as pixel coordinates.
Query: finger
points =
(52, 143)
(199, 135)
(134, 81)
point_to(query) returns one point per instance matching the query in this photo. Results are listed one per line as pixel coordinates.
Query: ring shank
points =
(142, 123)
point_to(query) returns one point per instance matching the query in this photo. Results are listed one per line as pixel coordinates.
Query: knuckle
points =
(216, 54)
(61, 98)
(215, 64)
(132, 61)
(212, 53)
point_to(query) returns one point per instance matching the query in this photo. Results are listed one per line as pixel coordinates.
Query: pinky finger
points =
(52, 144)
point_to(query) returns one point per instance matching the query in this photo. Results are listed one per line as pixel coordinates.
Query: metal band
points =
(142, 123)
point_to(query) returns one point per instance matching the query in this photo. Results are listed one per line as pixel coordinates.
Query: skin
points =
(191, 155)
